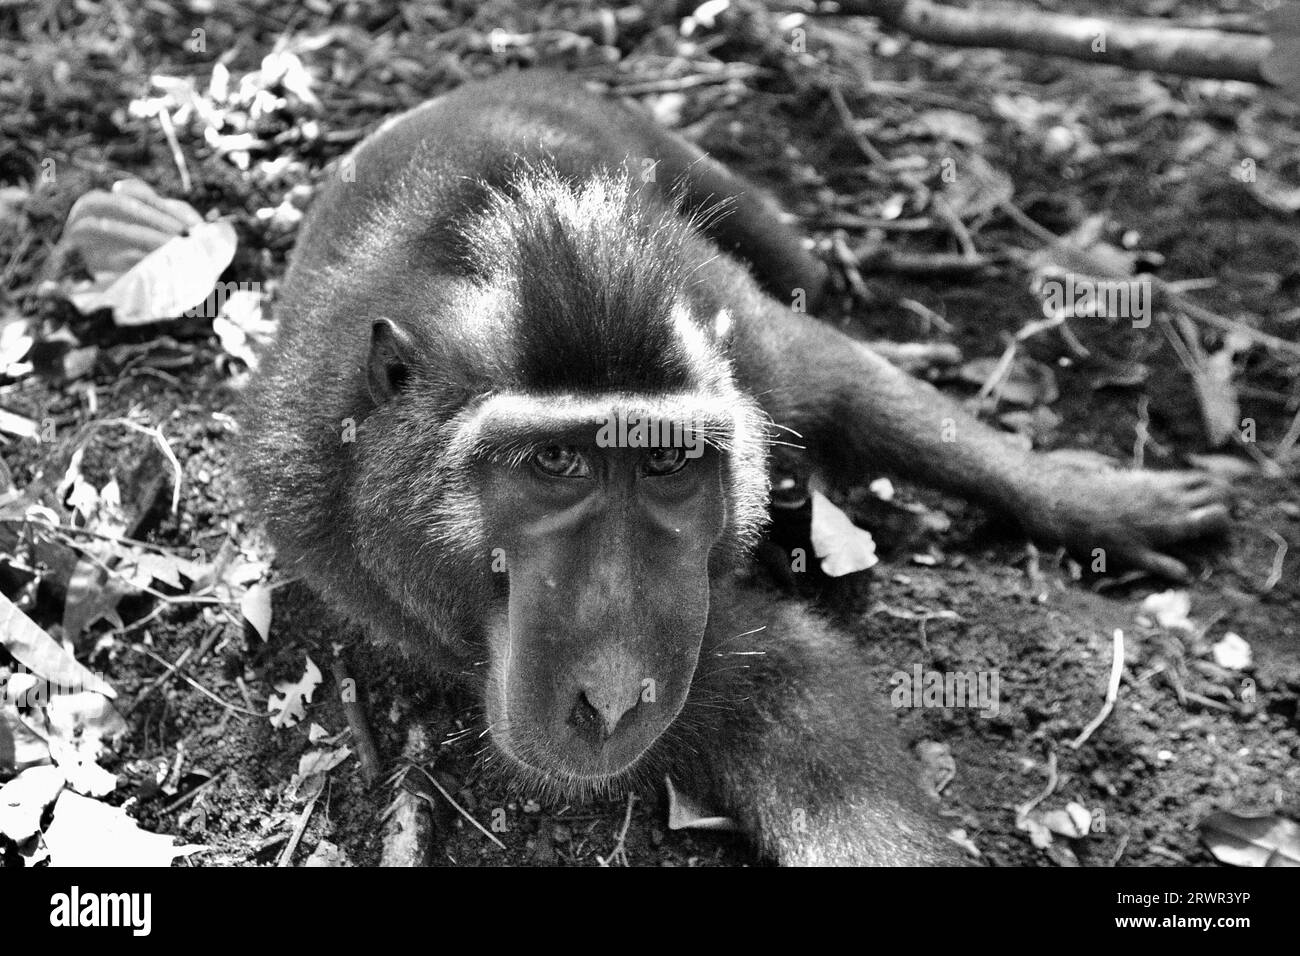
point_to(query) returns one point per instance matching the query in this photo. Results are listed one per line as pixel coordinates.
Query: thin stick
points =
(1027, 807)
(620, 844)
(367, 752)
(1279, 556)
(1112, 691)
(187, 797)
(459, 809)
(140, 649)
(299, 829)
(178, 157)
(864, 145)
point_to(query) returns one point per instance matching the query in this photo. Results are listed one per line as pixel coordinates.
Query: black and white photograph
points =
(562, 433)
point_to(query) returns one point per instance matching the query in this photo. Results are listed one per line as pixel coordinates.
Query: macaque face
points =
(606, 552)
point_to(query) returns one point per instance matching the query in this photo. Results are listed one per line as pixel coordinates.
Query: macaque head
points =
(578, 444)
(604, 519)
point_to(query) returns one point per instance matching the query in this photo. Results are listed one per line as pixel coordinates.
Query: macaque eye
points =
(665, 461)
(562, 461)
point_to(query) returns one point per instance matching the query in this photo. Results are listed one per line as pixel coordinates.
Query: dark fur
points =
(497, 227)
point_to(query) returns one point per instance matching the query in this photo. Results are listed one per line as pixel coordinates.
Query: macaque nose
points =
(597, 712)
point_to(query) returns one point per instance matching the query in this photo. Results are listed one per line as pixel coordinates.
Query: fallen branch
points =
(1133, 44)
(877, 260)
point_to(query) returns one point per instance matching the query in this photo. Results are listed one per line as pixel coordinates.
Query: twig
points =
(619, 853)
(1112, 690)
(459, 809)
(158, 681)
(190, 795)
(141, 649)
(927, 314)
(197, 653)
(367, 752)
(1141, 432)
(875, 259)
(157, 435)
(1279, 557)
(671, 85)
(178, 157)
(299, 829)
(864, 145)
(1026, 808)
(1287, 441)
(1171, 294)
(144, 588)
(943, 209)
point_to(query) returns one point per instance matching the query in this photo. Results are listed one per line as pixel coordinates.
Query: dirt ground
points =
(1154, 156)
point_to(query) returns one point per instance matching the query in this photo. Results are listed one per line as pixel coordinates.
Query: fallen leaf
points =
(1039, 835)
(93, 594)
(843, 547)
(16, 341)
(25, 798)
(18, 425)
(39, 653)
(882, 488)
(79, 726)
(145, 567)
(952, 126)
(327, 854)
(938, 766)
(240, 327)
(291, 708)
(1238, 840)
(1232, 652)
(1073, 822)
(1168, 609)
(20, 746)
(175, 277)
(316, 764)
(685, 814)
(255, 605)
(86, 832)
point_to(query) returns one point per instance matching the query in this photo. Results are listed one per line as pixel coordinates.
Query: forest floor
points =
(1183, 179)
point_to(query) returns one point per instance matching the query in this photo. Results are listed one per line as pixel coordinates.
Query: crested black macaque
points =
(534, 349)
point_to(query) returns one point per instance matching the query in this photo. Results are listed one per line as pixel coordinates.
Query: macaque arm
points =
(860, 416)
(802, 751)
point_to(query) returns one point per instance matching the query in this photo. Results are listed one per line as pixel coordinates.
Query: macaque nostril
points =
(598, 718)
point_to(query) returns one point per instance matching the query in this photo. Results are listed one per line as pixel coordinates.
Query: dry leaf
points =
(1232, 652)
(86, 832)
(1168, 609)
(1238, 840)
(291, 708)
(685, 814)
(173, 278)
(39, 653)
(255, 605)
(843, 547)
(25, 798)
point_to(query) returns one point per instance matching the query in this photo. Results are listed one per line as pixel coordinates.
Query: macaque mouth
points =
(567, 775)
(561, 770)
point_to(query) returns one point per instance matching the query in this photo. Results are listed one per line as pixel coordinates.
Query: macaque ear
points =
(390, 351)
